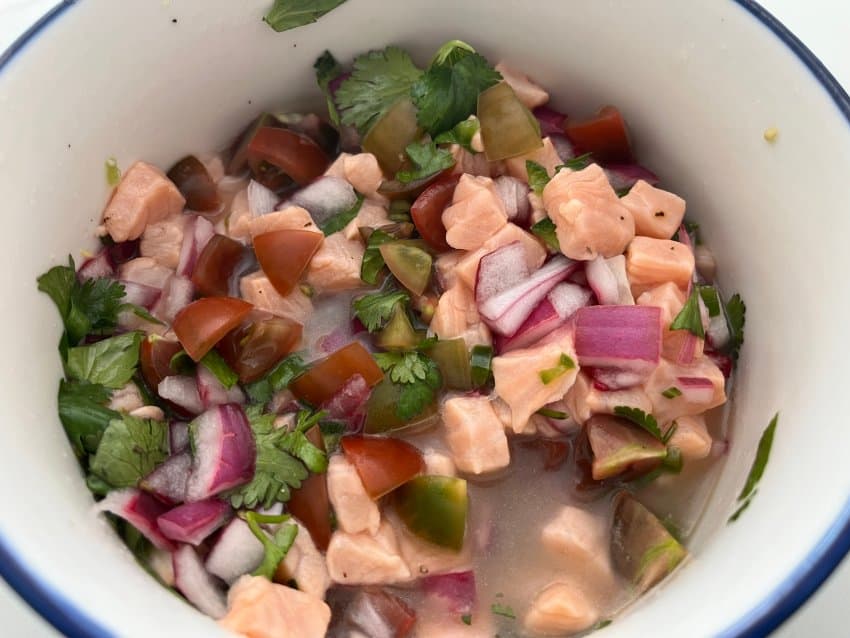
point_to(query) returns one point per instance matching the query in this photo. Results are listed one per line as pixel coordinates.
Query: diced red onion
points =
(624, 337)
(378, 614)
(689, 349)
(182, 391)
(565, 149)
(722, 361)
(500, 270)
(335, 340)
(696, 389)
(514, 194)
(567, 298)
(610, 379)
(717, 333)
(609, 281)
(140, 294)
(349, 403)
(193, 522)
(551, 121)
(236, 552)
(622, 176)
(196, 584)
(225, 452)
(178, 436)
(95, 267)
(456, 589)
(197, 233)
(168, 480)
(212, 392)
(141, 510)
(261, 200)
(325, 197)
(176, 295)
(550, 314)
(719, 448)
(124, 251)
(505, 312)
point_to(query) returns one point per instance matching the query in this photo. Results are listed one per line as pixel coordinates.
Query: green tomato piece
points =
(398, 334)
(390, 135)
(409, 263)
(508, 128)
(434, 508)
(453, 359)
(381, 416)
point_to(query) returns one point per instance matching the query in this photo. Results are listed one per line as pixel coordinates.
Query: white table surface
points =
(824, 26)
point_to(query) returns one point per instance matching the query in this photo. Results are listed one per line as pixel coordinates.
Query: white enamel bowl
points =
(699, 81)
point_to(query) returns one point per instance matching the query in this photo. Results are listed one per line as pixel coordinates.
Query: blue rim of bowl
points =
(776, 607)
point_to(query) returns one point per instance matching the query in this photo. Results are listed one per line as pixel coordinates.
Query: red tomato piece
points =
(155, 358)
(255, 347)
(310, 503)
(605, 135)
(427, 211)
(285, 254)
(195, 184)
(296, 155)
(215, 265)
(201, 324)
(382, 463)
(321, 382)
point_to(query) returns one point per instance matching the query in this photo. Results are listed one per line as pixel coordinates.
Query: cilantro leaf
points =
(672, 392)
(711, 299)
(376, 309)
(378, 80)
(447, 92)
(502, 610)
(341, 220)
(760, 461)
(565, 364)
(85, 307)
(736, 314)
(110, 362)
(403, 367)
(129, 450)
(577, 163)
(216, 364)
(289, 14)
(84, 415)
(689, 317)
(537, 176)
(418, 376)
(427, 160)
(328, 69)
(640, 418)
(280, 377)
(545, 229)
(461, 134)
(466, 619)
(373, 260)
(275, 548)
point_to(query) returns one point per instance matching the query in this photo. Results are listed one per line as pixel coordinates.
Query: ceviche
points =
(439, 361)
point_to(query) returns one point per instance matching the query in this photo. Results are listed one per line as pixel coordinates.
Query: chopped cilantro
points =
(328, 69)
(553, 414)
(110, 362)
(341, 220)
(689, 317)
(275, 548)
(736, 315)
(427, 160)
(447, 93)
(537, 176)
(373, 260)
(711, 300)
(280, 377)
(378, 80)
(565, 364)
(672, 392)
(503, 610)
(418, 376)
(673, 462)
(129, 450)
(640, 418)
(289, 14)
(545, 230)
(84, 415)
(332, 432)
(113, 172)
(461, 134)
(760, 461)
(376, 309)
(601, 624)
(466, 619)
(216, 364)
(577, 163)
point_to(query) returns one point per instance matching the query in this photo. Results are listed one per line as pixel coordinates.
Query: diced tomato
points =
(255, 347)
(201, 324)
(155, 358)
(605, 135)
(382, 463)
(321, 382)
(310, 503)
(427, 211)
(195, 184)
(296, 155)
(215, 266)
(285, 254)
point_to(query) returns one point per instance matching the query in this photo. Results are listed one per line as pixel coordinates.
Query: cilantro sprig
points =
(645, 421)
(537, 176)
(418, 377)
(736, 315)
(545, 229)
(426, 160)
(375, 309)
(84, 415)
(280, 377)
(290, 14)
(129, 450)
(110, 362)
(750, 488)
(276, 547)
(461, 134)
(689, 317)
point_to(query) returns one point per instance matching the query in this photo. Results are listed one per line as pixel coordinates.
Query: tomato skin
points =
(321, 382)
(155, 359)
(285, 254)
(194, 182)
(296, 155)
(382, 463)
(604, 135)
(201, 324)
(427, 211)
(310, 503)
(255, 347)
(215, 265)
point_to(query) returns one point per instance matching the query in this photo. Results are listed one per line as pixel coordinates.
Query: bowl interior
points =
(699, 83)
